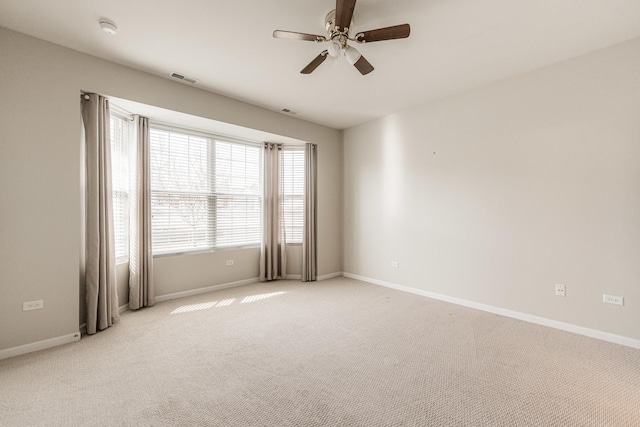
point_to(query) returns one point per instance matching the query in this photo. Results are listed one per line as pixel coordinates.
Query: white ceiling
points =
(455, 45)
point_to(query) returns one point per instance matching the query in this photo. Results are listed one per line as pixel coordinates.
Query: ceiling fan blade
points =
(344, 13)
(363, 66)
(315, 63)
(292, 35)
(388, 33)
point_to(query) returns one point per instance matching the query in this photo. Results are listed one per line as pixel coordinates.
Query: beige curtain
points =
(141, 290)
(100, 258)
(273, 257)
(309, 260)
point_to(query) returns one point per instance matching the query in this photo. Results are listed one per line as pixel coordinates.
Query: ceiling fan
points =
(338, 24)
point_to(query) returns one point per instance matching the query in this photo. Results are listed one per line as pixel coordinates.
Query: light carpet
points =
(338, 352)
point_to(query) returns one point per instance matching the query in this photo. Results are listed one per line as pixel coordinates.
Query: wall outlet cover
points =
(32, 305)
(612, 299)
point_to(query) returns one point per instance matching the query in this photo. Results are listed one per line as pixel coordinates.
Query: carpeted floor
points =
(338, 352)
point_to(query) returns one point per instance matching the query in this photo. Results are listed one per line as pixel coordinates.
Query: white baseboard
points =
(199, 291)
(39, 345)
(330, 276)
(319, 278)
(176, 295)
(567, 327)
(121, 309)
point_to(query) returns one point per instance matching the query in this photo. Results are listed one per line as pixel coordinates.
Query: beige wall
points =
(40, 218)
(496, 195)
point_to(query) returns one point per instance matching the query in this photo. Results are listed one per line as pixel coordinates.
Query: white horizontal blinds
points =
(205, 193)
(238, 194)
(120, 133)
(182, 199)
(292, 176)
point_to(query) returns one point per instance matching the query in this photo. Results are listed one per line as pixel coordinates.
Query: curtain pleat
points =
(309, 257)
(141, 288)
(273, 257)
(100, 258)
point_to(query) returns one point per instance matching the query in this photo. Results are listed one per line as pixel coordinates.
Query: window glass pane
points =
(119, 133)
(179, 163)
(238, 220)
(181, 222)
(293, 190)
(237, 168)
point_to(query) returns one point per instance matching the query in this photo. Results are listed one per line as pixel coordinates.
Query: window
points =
(205, 191)
(293, 192)
(120, 135)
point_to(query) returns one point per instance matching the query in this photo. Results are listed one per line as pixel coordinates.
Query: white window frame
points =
(210, 237)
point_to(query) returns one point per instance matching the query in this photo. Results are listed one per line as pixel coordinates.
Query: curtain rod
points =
(115, 108)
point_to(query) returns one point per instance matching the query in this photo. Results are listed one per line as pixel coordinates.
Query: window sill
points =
(205, 251)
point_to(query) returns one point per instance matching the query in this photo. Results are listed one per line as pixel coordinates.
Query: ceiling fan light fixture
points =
(334, 48)
(352, 54)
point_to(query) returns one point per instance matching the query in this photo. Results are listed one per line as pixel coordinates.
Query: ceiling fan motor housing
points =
(330, 21)
(330, 24)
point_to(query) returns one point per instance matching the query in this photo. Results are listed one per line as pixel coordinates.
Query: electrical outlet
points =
(612, 299)
(32, 305)
(230, 262)
(560, 290)
(395, 264)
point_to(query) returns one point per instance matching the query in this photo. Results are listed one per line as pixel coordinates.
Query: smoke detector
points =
(108, 26)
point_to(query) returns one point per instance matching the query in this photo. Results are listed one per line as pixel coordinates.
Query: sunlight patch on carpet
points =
(223, 303)
(202, 306)
(259, 297)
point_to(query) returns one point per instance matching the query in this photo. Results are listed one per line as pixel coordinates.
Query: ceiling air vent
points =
(185, 79)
